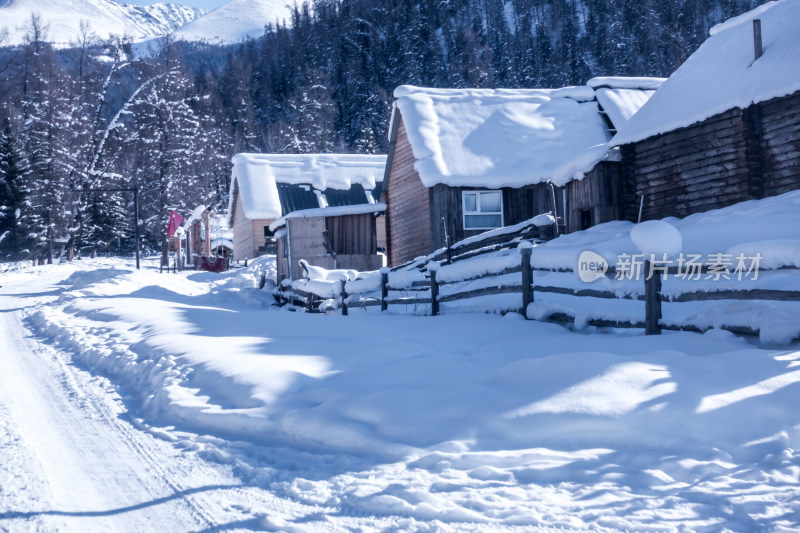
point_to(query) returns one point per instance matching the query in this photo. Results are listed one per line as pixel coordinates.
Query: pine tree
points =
(14, 170)
(166, 140)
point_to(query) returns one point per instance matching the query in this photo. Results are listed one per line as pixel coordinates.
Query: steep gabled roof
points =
(723, 74)
(513, 137)
(272, 185)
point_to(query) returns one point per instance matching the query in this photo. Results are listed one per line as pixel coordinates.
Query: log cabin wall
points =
(735, 156)
(692, 169)
(242, 233)
(595, 199)
(781, 144)
(518, 205)
(408, 226)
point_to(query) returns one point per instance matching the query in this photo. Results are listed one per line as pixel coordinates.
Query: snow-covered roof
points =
(329, 212)
(257, 177)
(723, 75)
(196, 215)
(513, 137)
(622, 97)
(226, 243)
(625, 82)
(621, 104)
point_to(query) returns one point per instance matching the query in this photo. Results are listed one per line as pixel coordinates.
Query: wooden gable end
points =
(408, 225)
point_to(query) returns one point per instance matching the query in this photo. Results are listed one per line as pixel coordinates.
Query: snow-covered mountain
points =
(106, 17)
(236, 21)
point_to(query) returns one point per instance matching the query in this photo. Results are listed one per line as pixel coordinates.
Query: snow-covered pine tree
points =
(166, 142)
(14, 171)
(46, 112)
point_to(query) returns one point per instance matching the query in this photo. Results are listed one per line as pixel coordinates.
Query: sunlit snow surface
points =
(63, 19)
(237, 20)
(452, 423)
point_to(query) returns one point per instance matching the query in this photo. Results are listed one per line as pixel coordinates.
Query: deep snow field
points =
(399, 423)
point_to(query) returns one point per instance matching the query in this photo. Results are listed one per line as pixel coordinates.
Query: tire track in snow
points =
(98, 475)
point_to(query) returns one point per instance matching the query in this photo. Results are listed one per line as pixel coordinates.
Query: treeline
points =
(109, 115)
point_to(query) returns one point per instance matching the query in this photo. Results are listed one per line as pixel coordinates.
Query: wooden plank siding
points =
(353, 234)
(600, 193)
(731, 157)
(248, 235)
(408, 226)
(352, 238)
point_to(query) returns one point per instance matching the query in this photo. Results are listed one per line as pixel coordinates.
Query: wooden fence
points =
(427, 293)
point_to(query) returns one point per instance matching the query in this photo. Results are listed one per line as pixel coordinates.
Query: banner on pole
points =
(175, 220)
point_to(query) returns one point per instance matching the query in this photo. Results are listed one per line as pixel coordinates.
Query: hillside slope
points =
(235, 21)
(106, 17)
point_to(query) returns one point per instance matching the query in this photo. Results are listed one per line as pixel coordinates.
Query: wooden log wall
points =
(735, 156)
(692, 169)
(408, 206)
(248, 235)
(781, 144)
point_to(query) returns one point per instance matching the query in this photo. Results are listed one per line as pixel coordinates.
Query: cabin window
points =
(482, 209)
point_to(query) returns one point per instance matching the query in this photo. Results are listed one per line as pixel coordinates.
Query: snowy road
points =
(136, 401)
(70, 459)
(84, 467)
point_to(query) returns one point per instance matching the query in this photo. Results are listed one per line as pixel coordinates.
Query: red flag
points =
(175, 220)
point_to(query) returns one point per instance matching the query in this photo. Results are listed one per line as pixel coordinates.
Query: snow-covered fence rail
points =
(510, 280)
(439, 288)
(484, 265)
(652, 293)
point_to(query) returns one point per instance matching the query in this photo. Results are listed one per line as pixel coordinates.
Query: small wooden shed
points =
(342, 237)
(266, 187)
(464, 161)
(724, 127)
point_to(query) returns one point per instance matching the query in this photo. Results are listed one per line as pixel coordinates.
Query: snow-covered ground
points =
(145, 401)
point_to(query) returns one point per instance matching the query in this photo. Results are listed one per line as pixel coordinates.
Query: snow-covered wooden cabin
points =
(725, 127)
(471, 160)
(266, 187)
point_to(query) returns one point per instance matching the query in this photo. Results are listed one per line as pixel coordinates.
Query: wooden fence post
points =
(344, 297)
(434, 294)
(652, 293)
(384, 288)
(527, 292)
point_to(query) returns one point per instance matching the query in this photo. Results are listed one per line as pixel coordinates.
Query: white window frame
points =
(465, 213)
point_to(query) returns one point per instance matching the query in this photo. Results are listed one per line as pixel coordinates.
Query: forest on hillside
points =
(166, 118)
